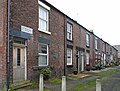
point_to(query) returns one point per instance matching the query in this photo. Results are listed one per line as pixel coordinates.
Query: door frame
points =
(25, 57)
(82, 61)
(78, 60)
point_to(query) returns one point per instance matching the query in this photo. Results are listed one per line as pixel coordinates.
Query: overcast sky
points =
(101, 16)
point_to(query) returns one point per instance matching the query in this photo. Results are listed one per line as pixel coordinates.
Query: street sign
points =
(26, 29)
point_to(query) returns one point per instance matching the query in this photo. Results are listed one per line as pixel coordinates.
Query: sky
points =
(101, 16)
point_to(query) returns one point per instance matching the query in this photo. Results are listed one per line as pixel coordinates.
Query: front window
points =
(87, 40)
(69, 56)
(43, 55)
(87, 58)
(69, 31)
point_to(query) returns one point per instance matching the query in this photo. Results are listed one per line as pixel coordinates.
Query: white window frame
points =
(44, 7)
(96, 55)
(71, 56)
(69, 32)
(96, 43)
(42, 54)
(87, 39)
(87, 58)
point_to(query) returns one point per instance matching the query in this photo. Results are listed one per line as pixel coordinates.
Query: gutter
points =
(65, 45)
(8, 45)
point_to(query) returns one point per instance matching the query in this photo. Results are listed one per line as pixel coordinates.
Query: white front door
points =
(18, 63)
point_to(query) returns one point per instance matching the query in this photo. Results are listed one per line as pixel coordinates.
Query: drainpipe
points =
(8, 45)
(65, 46)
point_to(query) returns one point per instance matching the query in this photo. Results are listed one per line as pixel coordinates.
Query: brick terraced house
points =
(43, 36)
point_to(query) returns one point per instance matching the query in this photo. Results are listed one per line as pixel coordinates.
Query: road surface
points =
(112, 82)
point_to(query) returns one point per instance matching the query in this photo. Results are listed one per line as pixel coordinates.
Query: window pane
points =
(68, 60)
(43, 49)
(67, 35)
(42, 60)
(43, 14)
(70, 36)
(87, 39)
(69, 57)
(43, 19)
(68, 52)
(68, 28)
(18, 57)
(87, 58)
(43, 25)
(96, 43)
(69, 31)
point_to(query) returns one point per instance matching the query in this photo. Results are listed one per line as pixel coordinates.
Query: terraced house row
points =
(38, 35)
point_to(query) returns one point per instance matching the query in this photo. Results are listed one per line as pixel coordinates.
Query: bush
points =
(46, 73)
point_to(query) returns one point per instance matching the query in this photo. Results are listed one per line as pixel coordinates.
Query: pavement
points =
(85, 76)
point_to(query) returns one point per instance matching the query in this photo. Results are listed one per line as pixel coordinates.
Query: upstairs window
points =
(87, 40)
(69, 31)
(43, 18)
(96, 43)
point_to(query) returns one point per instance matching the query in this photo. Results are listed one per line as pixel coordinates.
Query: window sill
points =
(69, 66)
(96, 49)
(44, 31)
(69, 40)
(87, 46)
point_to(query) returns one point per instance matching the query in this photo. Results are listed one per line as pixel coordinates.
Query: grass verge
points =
(56, 81)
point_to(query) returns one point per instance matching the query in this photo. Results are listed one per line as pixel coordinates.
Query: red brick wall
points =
(3, 7)
(74, 43)
(92, 49)
(57, 41)
(25, 12)
(83, 38)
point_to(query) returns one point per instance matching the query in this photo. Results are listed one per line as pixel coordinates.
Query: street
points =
(108, 83)
(112, 82)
